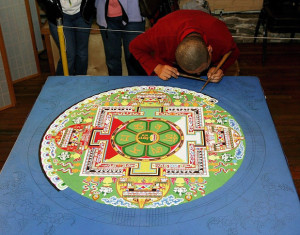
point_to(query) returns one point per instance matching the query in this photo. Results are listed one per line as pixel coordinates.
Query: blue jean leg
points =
(82, 49)
(76, 44)
(53, 31)
(132, 30)
(112, 46)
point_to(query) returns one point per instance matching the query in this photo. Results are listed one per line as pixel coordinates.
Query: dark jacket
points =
(54, 11)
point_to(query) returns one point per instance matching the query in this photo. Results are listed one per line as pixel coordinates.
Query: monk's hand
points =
(215, 76)
(165, 72)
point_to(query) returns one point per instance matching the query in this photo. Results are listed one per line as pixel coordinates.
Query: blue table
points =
(259, 199)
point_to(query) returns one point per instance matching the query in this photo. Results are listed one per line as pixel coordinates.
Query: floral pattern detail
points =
(147, 139)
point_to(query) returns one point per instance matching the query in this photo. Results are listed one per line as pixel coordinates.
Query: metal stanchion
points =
(62, 46)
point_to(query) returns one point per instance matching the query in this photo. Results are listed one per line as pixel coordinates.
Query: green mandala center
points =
(146, 139)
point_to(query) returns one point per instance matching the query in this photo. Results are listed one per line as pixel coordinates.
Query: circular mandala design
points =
(143, 147)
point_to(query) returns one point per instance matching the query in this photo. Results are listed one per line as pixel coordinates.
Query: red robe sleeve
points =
(142, 48)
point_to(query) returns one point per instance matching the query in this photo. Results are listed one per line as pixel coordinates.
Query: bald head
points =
(191, 53)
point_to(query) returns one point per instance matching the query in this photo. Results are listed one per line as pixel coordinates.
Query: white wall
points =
(17, 39)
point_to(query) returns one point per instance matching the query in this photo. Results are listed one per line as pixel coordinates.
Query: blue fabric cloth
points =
(259, 199)
(113, 41)
(131, 8)
(76, 43)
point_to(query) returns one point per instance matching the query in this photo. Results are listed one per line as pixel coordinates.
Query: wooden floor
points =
(280, 79)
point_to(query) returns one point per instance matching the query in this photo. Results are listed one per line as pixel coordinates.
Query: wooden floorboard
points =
(280, 79)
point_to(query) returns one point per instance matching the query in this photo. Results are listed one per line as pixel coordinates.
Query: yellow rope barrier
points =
(62, 45)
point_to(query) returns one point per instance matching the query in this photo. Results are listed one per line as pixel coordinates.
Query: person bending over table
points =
(191, 40)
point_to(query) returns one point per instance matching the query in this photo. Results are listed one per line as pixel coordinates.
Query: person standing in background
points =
(76, 18)
(120, 22)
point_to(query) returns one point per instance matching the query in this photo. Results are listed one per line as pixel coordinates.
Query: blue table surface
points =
(259, 199)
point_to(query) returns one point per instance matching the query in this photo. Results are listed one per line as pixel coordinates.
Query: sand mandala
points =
(143, 147)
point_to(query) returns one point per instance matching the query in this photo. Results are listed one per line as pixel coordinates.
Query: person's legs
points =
(112, 46)
(68, 21)
(132, 30)
(82, 42)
